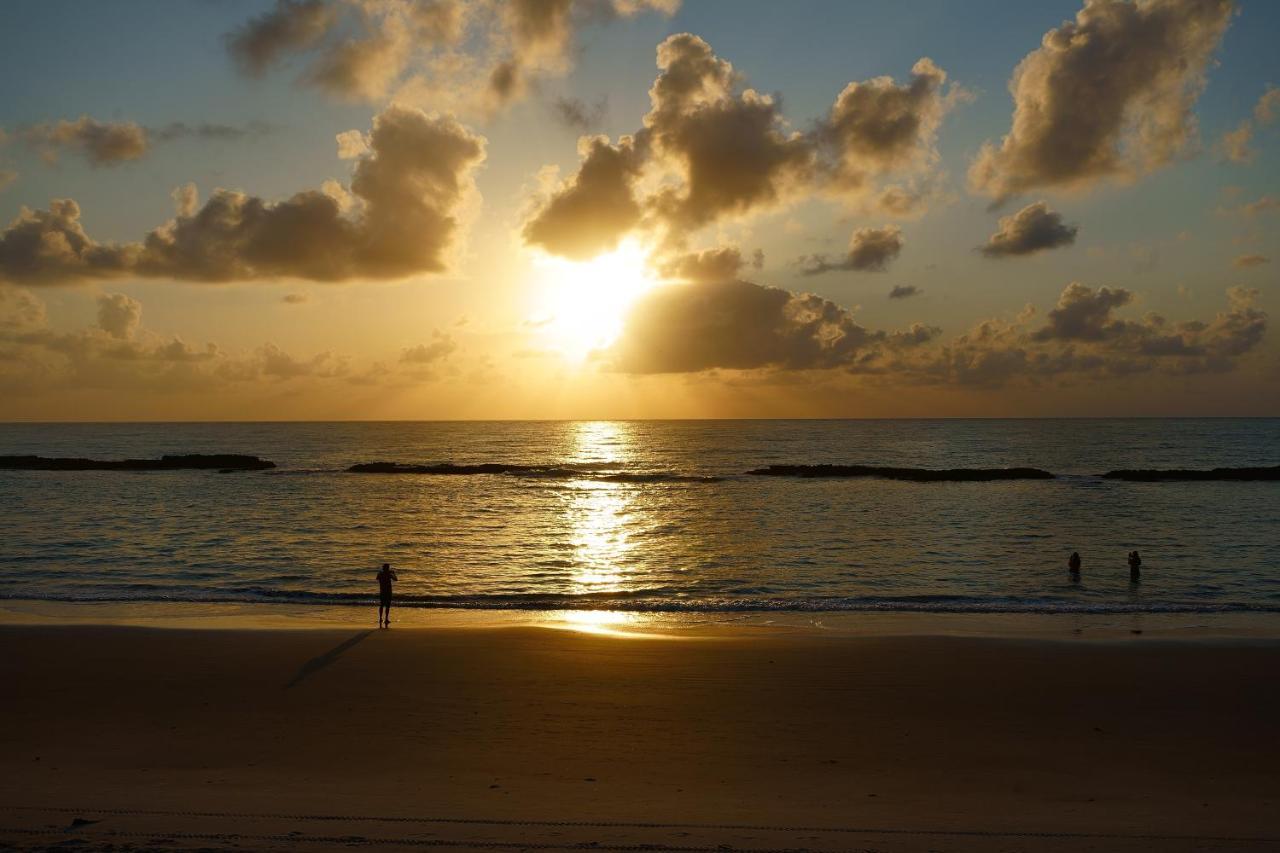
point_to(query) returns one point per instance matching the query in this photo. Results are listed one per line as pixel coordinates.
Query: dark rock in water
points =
(442, 468)
(223, 462)
(918, 475)
(1155, 475)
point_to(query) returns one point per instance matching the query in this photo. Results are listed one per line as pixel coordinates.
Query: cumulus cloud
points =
(711, 150)
(1030, 230)
(879, 127)
(1246, 261)
(466, 54)
(904, 291)
(870, 250)
(407, 193)
(1108, 95)
(119, 315)
(590, 212)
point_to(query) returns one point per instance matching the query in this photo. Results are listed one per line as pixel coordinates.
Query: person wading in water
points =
(385, 576)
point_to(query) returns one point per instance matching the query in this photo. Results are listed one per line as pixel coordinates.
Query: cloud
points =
(576, 114)
(870, 250)
(735, 325)
(1085, 314)
(119, 315)
(7, 177)
(904, 291)
(1030, 230)
(441, 347)
(113, 143)
(363, 68)
(407, 192)
(294, 298)
(720, 264)
(265, 40)
(101, 143)
(711, 150)
(879, 127)
(1235, 143)
(741, 326)
(440, 53)
(20, 310)
(591, 211)
(732, 151)
(1246, 261)
(1108, 95)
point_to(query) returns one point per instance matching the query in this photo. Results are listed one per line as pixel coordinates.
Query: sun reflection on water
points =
(600, 513)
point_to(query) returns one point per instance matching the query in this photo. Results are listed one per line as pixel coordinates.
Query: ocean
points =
(651, 516)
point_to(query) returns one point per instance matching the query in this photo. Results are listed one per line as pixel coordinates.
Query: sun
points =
(584, 303)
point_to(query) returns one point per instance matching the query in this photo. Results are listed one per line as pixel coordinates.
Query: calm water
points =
(308, 532)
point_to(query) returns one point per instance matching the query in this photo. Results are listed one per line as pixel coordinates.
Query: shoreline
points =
(1073, 626)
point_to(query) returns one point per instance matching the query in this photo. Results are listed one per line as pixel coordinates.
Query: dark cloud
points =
(1108, 95)
(101, 143)
(408, 187)
(870, 250)
(714, 150)
(1030, 230)
(878, 127)
(1084, 314)
(591, 211)
(736, 325)
(292, 25)
(578, 115)
(294, 298)
(365, 50)
(904, 291)
(732, 151)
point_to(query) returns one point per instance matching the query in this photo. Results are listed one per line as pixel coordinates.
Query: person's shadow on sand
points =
(319, 662)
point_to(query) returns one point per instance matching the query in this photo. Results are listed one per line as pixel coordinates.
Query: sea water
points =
(655, 516)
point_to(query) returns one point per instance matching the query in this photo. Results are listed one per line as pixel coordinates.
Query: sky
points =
(592, 209)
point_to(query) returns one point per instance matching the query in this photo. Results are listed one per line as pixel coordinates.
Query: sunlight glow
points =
(586, 302)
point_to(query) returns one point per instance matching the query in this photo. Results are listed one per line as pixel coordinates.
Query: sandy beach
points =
(514, 737)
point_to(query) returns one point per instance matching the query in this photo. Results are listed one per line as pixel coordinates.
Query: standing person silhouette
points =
(1135, 567)
(1073, 565)
(385, 576)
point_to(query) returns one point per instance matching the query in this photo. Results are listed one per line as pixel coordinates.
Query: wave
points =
(918, 475)
(646, 602)
(1153, 475)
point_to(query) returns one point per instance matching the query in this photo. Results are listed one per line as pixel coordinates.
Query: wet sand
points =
(505, 738)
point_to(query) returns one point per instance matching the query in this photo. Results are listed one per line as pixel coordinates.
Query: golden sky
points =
(436, 209)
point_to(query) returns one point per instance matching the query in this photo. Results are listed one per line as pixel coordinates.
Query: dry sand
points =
(510, 738)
